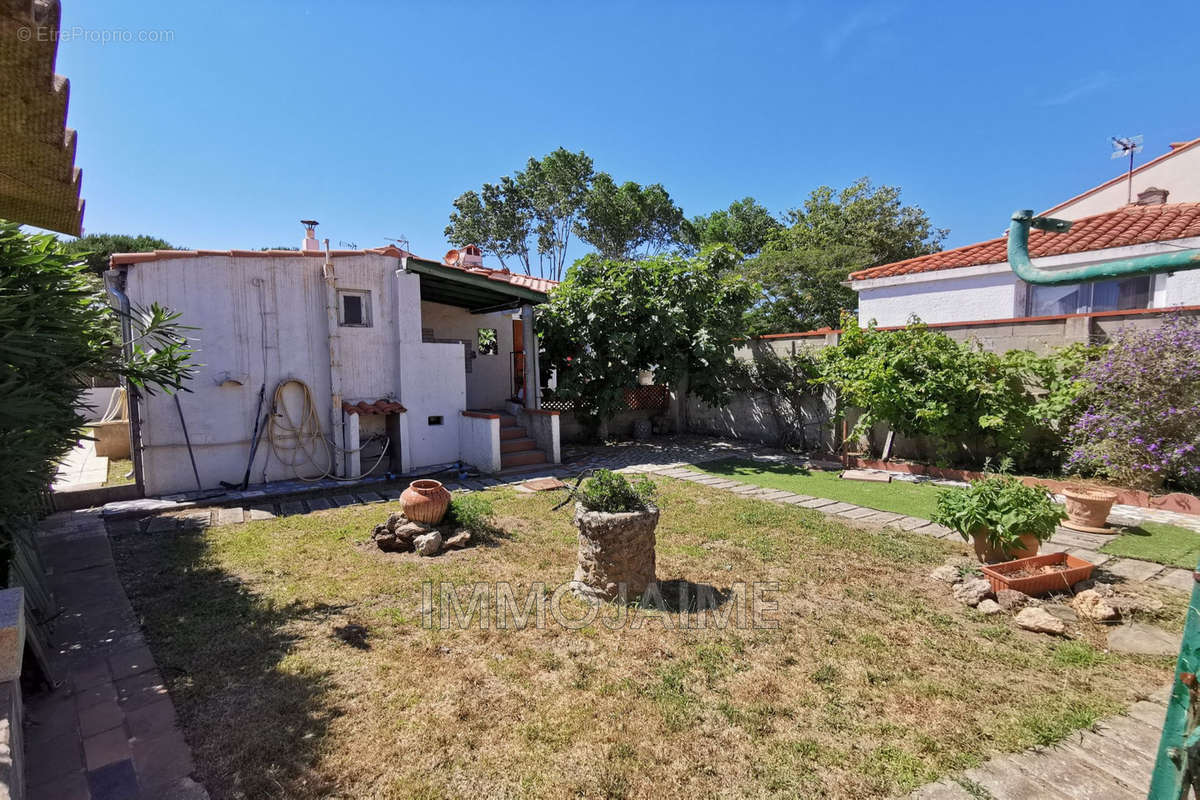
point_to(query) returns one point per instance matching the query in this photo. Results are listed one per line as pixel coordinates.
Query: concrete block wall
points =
(749, 415)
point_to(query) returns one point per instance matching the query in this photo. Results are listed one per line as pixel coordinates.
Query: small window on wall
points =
(1080, 298)
(488, 343)
(354, 309)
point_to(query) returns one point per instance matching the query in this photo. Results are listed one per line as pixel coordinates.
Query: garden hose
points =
(117, 406)
(300, 443)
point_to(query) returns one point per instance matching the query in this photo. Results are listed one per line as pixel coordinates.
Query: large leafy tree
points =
(613, 318)
(803, 266)
(527, 216)
(628, 221)
(802, 289)
(96, 248)
(746, 225)
(864, 216)
(530, 217)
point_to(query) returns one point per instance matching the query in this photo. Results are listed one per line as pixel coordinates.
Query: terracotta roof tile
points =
(525, 281)
(378, 407)
(1125, 226)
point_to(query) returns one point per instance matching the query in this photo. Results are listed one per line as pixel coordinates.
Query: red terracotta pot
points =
(989, 554)
(425, 501)
(1089, 508)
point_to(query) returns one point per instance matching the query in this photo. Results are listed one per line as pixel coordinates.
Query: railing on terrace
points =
(637, 398)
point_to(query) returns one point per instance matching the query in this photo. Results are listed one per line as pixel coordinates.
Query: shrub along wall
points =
(752, 415)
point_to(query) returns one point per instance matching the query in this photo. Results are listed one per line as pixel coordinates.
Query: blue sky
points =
(372, 117)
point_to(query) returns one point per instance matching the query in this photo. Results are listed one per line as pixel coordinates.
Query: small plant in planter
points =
(616, 520)
(1005, 518)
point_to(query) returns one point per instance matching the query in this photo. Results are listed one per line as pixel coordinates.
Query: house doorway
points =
(518, 357)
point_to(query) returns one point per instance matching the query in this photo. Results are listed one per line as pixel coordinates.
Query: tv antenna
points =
(351, 245)
(401, 241)
(1127, 146)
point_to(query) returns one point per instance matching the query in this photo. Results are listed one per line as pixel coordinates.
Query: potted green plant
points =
(1003, 517)
(616, 519)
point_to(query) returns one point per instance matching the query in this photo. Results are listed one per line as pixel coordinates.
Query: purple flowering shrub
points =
(1142, 424)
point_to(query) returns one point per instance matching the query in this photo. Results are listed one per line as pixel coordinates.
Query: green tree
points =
(611, 319)
(863, 216)
(532, 213)
(628, 221)
(57, 330)
(802, 288)
(498, 219)
(803, 266)
(746, 225)
(96, 248)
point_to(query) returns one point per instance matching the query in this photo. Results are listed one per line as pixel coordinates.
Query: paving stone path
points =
(1112, 761)
(108, 730)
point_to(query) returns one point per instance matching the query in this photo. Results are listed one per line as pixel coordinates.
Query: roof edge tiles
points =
(1129, 225)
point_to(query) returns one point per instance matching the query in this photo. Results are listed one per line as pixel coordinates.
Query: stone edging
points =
(1081, 545)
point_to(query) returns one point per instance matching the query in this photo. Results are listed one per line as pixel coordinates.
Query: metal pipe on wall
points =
(114, 281)
(1022, 264)
(335, 361)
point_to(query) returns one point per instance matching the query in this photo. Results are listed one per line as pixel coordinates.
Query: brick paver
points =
(108, 729)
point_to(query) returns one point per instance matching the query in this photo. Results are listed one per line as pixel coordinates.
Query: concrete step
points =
(522, 458)
(507, 421)
(513, 432)
(517, 445)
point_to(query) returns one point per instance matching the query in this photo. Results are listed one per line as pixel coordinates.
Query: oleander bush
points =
(55, 329)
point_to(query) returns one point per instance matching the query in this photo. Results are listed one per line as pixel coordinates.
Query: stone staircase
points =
(517, 448)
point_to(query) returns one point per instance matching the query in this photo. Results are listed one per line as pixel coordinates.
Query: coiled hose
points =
(300, 443)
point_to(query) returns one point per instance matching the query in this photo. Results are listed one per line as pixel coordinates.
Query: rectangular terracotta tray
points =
(1077, 570)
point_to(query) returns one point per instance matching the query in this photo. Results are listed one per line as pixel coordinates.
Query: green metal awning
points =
(456, 287)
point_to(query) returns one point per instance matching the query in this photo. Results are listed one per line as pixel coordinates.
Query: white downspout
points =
(335, 363)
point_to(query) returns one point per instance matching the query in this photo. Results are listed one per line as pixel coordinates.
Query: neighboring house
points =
(975, 282)
(361, 345)
(1175, 174)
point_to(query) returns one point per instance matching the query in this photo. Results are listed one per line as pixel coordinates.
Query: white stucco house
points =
(367, 361)
(974, 283)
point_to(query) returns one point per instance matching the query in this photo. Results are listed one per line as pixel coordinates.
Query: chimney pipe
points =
(310, 243)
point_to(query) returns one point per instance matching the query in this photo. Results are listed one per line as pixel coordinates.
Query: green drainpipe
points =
(1018, 257)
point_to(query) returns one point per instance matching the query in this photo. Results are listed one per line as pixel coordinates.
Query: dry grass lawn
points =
(298, 662)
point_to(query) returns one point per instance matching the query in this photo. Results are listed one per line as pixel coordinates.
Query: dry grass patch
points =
(301, 669)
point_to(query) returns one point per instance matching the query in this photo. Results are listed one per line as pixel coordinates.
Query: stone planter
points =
(112, 438)
(425, 501)
(989, 554)
(616, 554)
(1088, 509)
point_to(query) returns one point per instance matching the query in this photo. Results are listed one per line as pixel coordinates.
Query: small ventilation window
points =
(354, 309)
(435, 420)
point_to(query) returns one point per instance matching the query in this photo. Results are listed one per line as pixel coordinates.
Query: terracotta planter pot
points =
(425, 501)
(1074, 570)
(988, 554)
(1089, 508)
